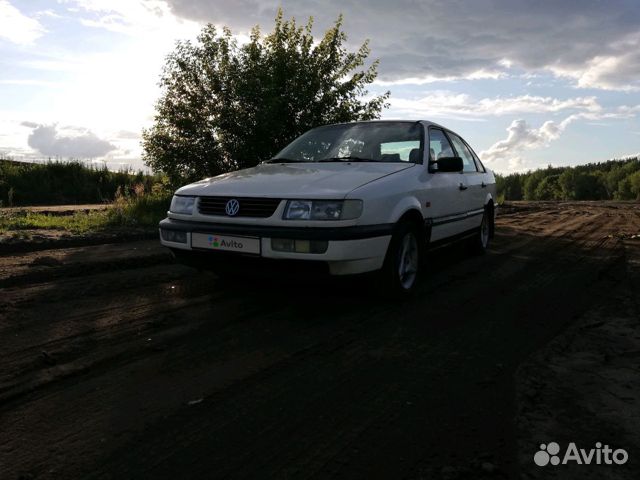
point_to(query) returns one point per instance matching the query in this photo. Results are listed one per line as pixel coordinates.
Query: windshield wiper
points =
(346, 159)
(284, 160)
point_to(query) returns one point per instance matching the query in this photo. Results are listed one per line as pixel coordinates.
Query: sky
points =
(527, 84)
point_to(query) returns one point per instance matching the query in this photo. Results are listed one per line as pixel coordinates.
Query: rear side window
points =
(478, 162)
(439, 145)
(464, 153)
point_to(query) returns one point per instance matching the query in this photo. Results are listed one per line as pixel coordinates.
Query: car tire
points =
(401, 266)
(481, 239)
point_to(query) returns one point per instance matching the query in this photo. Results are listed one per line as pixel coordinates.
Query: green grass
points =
(138, 200)
(59, 183)
(81, 222)
(143, 211)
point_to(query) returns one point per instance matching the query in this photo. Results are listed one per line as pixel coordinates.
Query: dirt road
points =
(116, 363)
(56, 209)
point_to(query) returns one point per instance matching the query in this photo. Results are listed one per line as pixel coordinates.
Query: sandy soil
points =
(117, 363)
(584, 386)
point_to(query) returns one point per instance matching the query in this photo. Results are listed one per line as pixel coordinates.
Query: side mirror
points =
(448, 164)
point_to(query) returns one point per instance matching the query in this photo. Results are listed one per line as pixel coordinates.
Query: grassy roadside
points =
(134, 203)
(80, 222)
(138, 210)
(66, 182)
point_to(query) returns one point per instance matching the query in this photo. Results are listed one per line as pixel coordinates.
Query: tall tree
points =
(226, 106)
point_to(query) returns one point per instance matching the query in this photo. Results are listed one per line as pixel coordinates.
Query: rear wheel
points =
(402, 262)
(480, 242)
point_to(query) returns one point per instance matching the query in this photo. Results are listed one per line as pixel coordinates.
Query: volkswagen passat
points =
(354, 197)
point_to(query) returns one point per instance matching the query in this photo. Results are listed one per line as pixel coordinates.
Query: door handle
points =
(462, 186)
(483, 185)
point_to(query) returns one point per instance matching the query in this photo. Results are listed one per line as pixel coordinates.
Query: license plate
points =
(225, 243)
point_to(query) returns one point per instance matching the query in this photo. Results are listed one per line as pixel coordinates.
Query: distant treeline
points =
(71, 182)
(610, 180)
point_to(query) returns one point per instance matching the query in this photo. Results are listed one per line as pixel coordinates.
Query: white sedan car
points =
(353, 197)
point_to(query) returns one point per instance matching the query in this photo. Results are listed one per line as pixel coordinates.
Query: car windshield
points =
(357, 142)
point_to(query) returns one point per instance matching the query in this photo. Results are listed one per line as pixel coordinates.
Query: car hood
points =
(294, 180)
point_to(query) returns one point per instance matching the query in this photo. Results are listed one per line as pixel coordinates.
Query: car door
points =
(476, 187)
(487, 183)
(445, 198)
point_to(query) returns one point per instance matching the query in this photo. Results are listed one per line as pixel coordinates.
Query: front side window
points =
(365, 141)
(469, 165)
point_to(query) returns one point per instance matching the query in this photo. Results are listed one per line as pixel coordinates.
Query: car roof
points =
(426, 123)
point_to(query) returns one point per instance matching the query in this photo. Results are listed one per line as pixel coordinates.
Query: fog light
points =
(317, 246)
(299, 246)
(283, 245)
(174, 236)
(303, 246)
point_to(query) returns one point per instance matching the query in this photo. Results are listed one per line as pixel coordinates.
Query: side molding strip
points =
(456, 217)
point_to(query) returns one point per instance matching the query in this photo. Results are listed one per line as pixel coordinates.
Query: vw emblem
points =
(232, 207)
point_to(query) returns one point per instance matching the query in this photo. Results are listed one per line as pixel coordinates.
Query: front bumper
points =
(350, 250)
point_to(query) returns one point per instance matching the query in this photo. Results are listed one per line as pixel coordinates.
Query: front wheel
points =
(402, 262)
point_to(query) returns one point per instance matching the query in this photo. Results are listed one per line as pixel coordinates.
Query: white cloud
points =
(459, 105)
(51, 63)
(47, 13)
(626, 110)
(521, 136)
(133, 17)
(128, 135)
(481, 74)
(32, 82)
(505, 154)
(16, 27)
(617, 70)
(67, 142)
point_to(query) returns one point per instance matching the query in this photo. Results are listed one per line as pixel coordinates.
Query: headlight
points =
(180, 204)
(323, 209)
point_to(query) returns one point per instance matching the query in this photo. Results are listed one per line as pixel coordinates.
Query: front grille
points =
(249, 207)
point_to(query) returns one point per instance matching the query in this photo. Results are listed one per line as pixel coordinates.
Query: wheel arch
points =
(488, 199)
(404, 207)
(414, 216)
